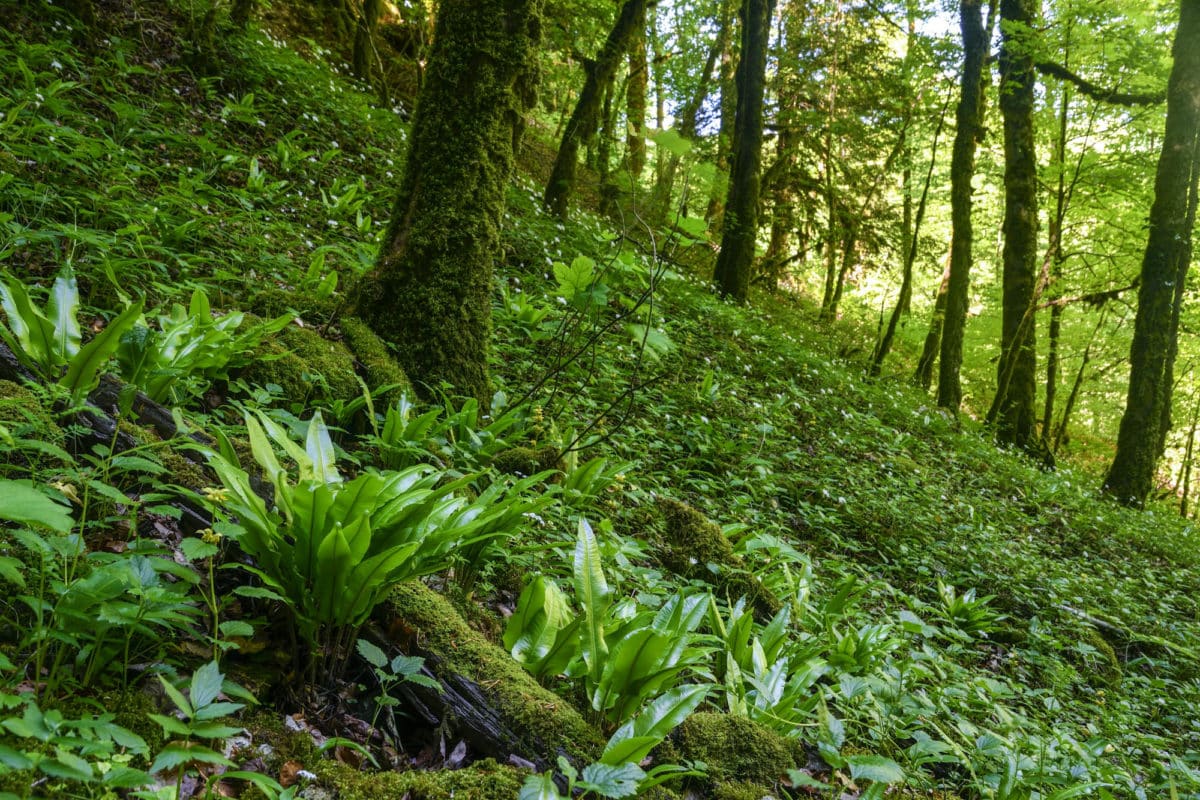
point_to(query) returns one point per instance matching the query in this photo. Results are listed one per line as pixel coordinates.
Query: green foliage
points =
(626, 655)
(188, 349)
(48, 340)
(332, 547)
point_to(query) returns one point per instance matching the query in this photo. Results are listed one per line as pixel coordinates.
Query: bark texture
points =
(968, 117)
(429, 292)
(740, 226)
(1016, 419)
(1164, 268)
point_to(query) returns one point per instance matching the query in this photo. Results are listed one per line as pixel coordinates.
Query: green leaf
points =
(875, 768)
(14, 759)
(634, 740)
(177, 697)
(68, 766)
(179, 754)
(83, 371)
(22, 503)
(236, 628)
(371, 653)
(592, 592)
(206, 684)
(197, 549)
(574, 280)
(62, 309)
(612, 780)
(320, 450)
(539, 787)
(671, 141)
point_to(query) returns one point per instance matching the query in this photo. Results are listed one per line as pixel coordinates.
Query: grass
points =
(153, 172)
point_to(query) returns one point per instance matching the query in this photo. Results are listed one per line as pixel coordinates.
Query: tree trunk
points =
(740, 227)
(586, 117)
(635, 100)
(911, 240)
(1016, 420)
(1164, 267)
(725, 134)
(969, 118)
(923, 376)
(689, 115)
(1056, 227)
(364, 38)
(429, 292)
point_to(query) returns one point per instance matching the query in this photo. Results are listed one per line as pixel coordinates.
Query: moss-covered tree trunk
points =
(429, 292)
(740, 225)
(968, 117)
(364, 38)
(1164, 267)
(586, 117)
(1016, 418)
(635, 100)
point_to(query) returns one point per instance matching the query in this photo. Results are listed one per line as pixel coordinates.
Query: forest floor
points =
(925, 615)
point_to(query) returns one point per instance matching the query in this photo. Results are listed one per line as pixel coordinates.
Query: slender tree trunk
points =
(1016, 420)
(729, 106)
(364, 38)
(912, 238)
(782, 214)
(689, 115)
(923, 376)
(1056, 230)
(1187, 460)
(740, 229)
(1164, 267)
(604, 147)
(429, 292)
(635, 100)
(1060, 431)
(969, 118)
(586, 117)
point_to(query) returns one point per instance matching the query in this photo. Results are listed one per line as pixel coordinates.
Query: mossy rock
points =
(483, 780)
(736, 749)
(696, 547)
(1105, 666)
(377, 363)
(306, 366)
(548, 722)
(525, 461)
(740, 791)
(275, 302)
(25, 416)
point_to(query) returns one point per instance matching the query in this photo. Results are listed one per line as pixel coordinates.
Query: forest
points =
(555, 399)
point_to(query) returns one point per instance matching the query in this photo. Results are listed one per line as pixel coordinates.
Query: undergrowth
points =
(946, 615)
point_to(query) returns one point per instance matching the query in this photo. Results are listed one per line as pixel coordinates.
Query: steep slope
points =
(856, 515)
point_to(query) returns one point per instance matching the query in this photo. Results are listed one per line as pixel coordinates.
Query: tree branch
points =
(1100, 93)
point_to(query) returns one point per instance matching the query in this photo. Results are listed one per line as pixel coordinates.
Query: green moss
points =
(550, 722)
(305, 365)
(734, 748)
(1104, 664)
(740, 791)
(483, 780)
(274, 302)
(696, 547)
(25, 416)
(526, 461)
(380, 368)
(179, 470)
